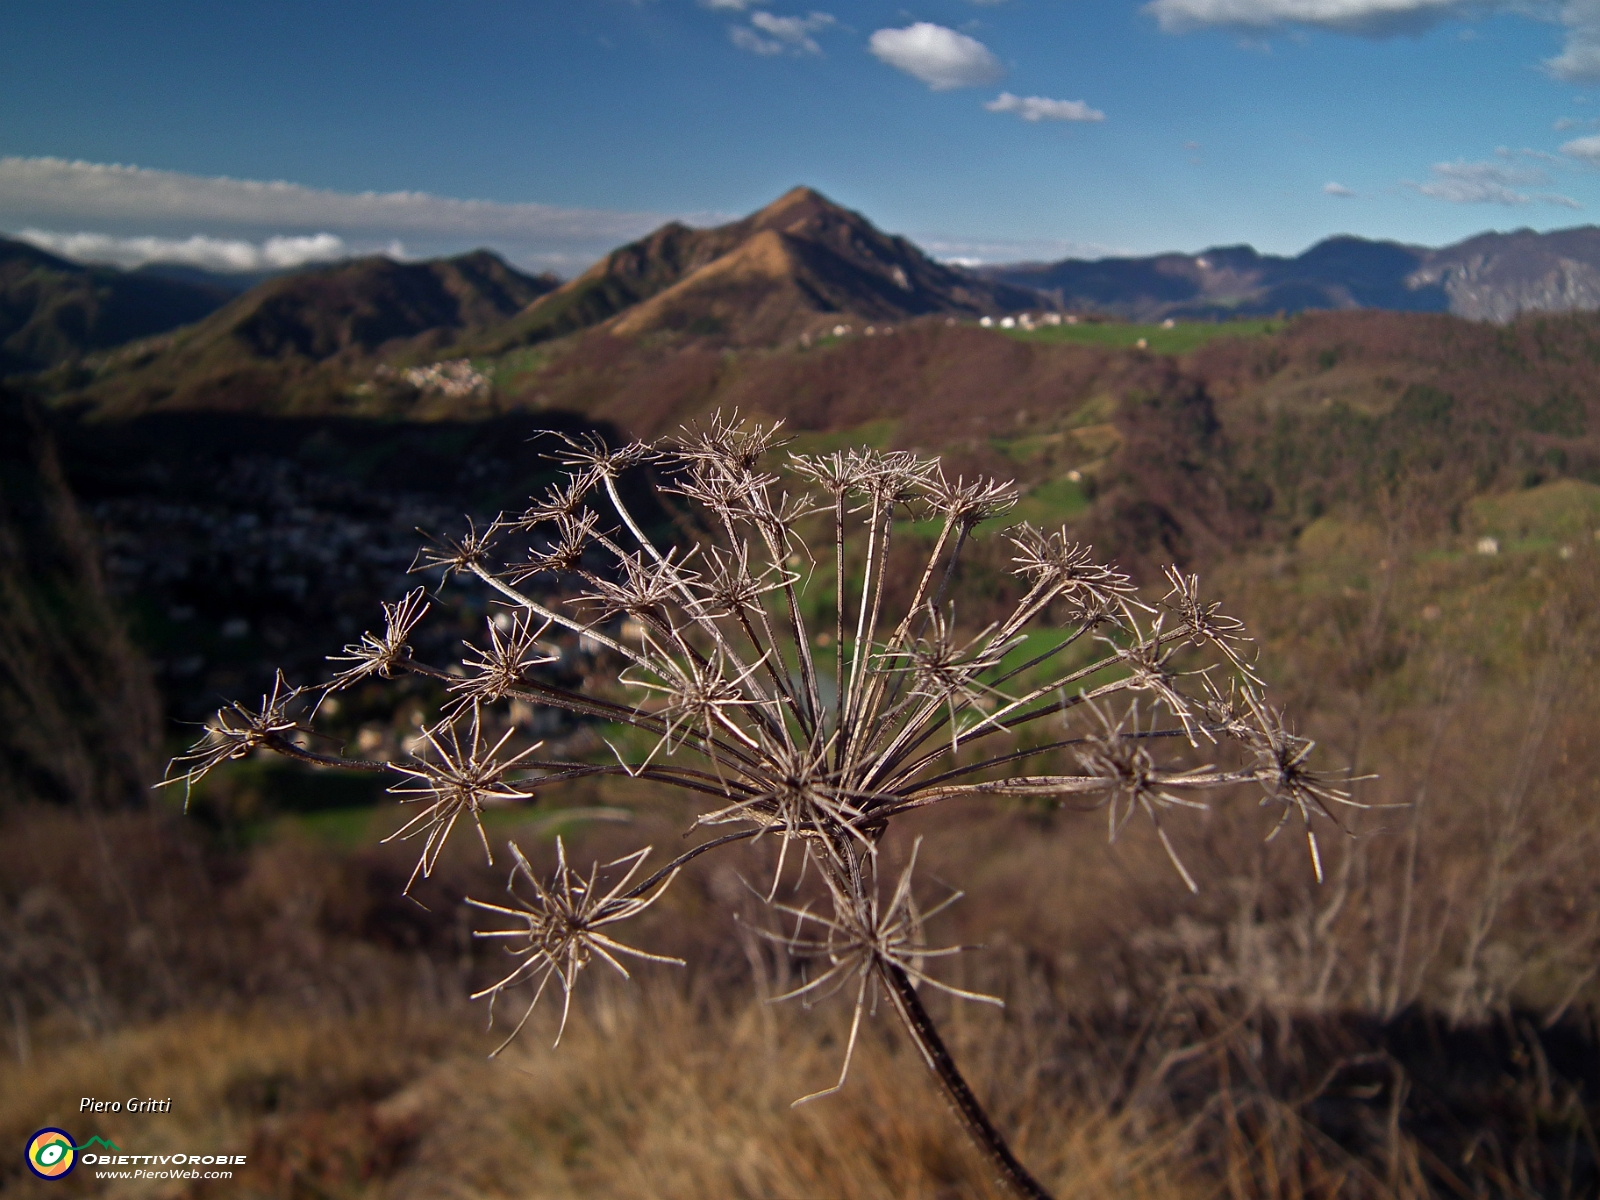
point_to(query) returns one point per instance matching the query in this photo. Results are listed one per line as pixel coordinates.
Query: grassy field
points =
(1181, 338)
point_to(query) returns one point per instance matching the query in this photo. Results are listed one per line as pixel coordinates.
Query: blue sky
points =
(266, 134)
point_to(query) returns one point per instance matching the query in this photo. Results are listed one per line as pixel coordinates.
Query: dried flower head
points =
(866, 936)
(559, 930)
(793, 665)
(460, 554)
(235, 731)
(381, 654)
(494, 672)
(461, 776)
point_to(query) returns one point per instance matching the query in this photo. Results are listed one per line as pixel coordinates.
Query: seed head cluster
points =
(782, 646)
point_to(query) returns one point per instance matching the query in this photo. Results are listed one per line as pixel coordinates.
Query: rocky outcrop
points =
(1499, 276)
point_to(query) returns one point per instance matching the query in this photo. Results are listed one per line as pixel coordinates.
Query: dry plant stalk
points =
(818, 739)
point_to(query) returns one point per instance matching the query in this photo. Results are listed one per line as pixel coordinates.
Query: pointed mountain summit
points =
(758, 280)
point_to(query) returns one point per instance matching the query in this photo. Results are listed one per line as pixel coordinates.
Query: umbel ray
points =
(818, 738)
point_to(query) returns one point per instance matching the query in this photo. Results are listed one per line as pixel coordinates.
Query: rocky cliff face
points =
(78, 715)
(1496, 277)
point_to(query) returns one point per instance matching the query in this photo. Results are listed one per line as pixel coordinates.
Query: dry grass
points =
(1237, 1044)
(653, 1095)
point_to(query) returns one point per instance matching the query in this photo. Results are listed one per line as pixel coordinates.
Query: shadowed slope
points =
(53, 311)
(77, 712)
(250, 353)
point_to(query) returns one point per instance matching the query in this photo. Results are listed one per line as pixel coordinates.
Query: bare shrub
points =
(735, 663)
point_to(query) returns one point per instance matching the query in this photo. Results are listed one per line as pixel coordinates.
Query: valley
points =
(1402, 501)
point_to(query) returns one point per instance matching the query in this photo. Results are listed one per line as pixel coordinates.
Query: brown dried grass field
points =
(1420, 1025)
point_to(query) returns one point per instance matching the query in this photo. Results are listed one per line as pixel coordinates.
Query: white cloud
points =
(974, 252)
(1528, 152)
(942, 58)
(1038, 108)
(748, 39)
(1337, 189)
(208, 253)
(49, 191)
(1585, 148)
(1350, 16)
(791, 34)
(1464, 182)
(1578, 60)
(727, 5)
(1580, 57)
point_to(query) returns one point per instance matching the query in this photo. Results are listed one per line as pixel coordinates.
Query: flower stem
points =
(982, 1131)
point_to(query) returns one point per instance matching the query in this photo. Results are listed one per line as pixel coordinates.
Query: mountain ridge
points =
(1490, 276)
(53, 310)
(836, 262)
(316, 327)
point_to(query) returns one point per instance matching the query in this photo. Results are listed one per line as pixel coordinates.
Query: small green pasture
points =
(1181, 338)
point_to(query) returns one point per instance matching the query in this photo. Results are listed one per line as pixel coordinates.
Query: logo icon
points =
(51, 1153)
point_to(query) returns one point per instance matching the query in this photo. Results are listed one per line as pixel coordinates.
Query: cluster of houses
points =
(1028, 321)
(271, 562)
(454, 377)
(1021, 321)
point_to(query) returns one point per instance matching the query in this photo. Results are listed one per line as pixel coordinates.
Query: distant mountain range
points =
(315, 338)
(301, 341)
(1494, 277)
(298, 337)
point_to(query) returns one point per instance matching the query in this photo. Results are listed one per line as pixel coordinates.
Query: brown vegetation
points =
(1421, 1024)
(78, 717)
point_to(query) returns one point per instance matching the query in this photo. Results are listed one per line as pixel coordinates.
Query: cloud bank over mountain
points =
(1462, 182)
(207, 253)
(215, 216)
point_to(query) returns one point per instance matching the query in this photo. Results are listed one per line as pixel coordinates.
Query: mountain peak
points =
(797, 203)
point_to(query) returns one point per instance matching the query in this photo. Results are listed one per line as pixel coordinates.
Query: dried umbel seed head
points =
(1286, 777)
(786, 657)
(236, 731)
(381, 654)
(1204, 622)
(559, 928)
(491, 674)
(970, 503)
(591, 456)
(866, 936)
(727, 445)
(1120, 756)
(559, 500)
(458, 555)
(456, 773)
(1069, 570)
